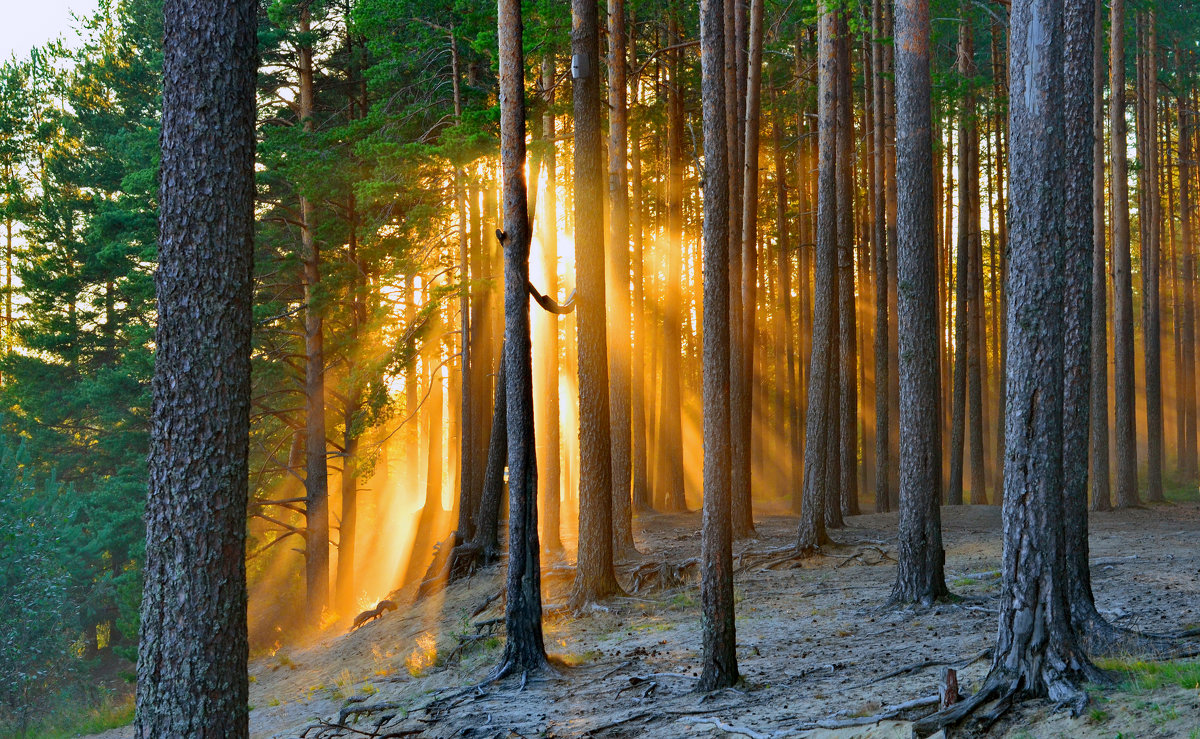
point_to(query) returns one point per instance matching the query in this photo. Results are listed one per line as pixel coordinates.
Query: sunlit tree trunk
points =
(550, 478)
(1188, 334)
(670, 446)
(193, 650)
(640, 484)
(719, 661)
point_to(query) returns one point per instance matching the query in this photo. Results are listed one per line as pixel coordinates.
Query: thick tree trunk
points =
(618, 263)
(739, 383)
(595, 577)
(1123, 349)
(920, 574)
(719, 661)
(823, 367)
(523, 650)
(192, 659)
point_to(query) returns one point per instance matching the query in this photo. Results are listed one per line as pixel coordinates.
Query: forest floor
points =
(814, 644)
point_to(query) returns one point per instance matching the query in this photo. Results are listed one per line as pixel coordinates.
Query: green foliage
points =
(1142, 676)
(37, 610)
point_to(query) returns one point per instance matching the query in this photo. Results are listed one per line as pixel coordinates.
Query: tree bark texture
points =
(192, 658)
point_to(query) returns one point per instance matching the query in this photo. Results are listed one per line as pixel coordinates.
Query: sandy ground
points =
(813, 643)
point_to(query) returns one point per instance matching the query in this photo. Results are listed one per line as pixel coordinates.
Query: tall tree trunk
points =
(524, 650)
(743, 514)
(639, 486)
(740, 345)
(550, 478)
(1187, 452)
(969, 231)
(883, 459)
(718, 660)
(192, 660)
(595, 577)
(1099, 394)
(848, 347)
(920, 576)
(823, 367)
(316, 481)
(962, 286)
(467, 486)
(1151, 248)
(1126, 421)
(670, 451)
(618, 262)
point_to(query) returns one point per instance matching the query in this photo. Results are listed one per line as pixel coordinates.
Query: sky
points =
(29, 23)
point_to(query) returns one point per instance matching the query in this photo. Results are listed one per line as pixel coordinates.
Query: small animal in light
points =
(380, 608)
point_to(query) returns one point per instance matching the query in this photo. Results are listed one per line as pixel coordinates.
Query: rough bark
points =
(1099, 394)
(822, 371)
(524, 650)
(595, 577)
(920, 576)
(719, 661)
(192, 660)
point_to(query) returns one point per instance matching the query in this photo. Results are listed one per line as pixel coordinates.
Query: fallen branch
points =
(917, 666)
(731, 729)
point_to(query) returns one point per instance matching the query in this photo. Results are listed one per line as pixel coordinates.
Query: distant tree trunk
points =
(670, 445)
(920, 574)
(1188, 334)
(1151, 249)
(743, 514)
(618, 251)
(973, 268)
(1126, 421)
(719, 660)
(1099, 393)
(316, 481)
(739, 383)
(848, 342)
(962, 289)
(551, 477)
(524, 650)
(487, 541)
(193, 654)
(789, 387)
(883, 459)
(890, 202)
(823, 368)
(467, 486)
(640, 485)
(595, 577)
(1001, 300)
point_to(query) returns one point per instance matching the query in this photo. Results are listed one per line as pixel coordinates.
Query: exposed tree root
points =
(917, 666)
